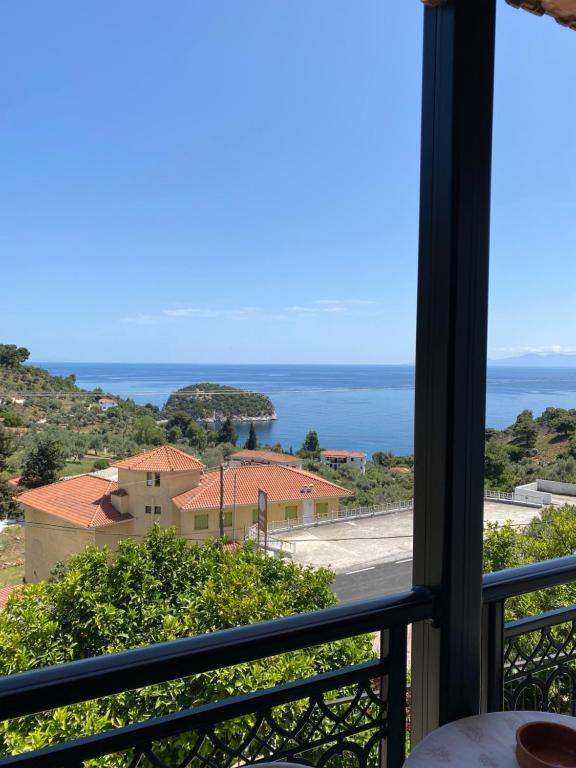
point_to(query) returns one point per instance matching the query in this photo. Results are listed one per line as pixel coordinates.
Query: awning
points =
(564, 11)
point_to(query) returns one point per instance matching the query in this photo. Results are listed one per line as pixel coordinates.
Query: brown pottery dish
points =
(543, 744)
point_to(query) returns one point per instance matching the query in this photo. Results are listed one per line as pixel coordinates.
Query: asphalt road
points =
(372, 581)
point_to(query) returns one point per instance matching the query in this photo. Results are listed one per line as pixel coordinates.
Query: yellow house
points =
(167, 487)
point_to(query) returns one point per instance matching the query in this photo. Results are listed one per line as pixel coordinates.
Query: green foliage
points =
(101, 464)
(6, 448)
(252, 442)
(216, 402)
(197, 436)
(12, 356)
(146, 431)
(498, 470)
(525, 430)
(311, 443)
(43, 462)
(8, 507)
(161, 588)
(12, 419)
(227, 433)
(550, 534)
(564, 423)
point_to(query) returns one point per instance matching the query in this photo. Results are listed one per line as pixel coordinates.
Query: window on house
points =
(148, 510)
(228, 519)
(156, 479)
(200, 522)
(291, 513)
(149, 478)
(321, 507)
(157, 510)
(254, 516)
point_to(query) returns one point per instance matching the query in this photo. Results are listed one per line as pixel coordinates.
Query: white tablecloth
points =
(486, 741)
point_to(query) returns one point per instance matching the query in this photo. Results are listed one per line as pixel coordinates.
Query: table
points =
(486, 741)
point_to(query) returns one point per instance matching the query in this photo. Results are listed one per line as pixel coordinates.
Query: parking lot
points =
(353, 544)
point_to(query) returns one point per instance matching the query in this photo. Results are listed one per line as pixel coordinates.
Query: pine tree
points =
(311, 443)
(252, 443)
(43, 463)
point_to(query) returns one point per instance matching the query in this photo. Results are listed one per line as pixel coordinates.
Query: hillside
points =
(208, 402)
(33, 403)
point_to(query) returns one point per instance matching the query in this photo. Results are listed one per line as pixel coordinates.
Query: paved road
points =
(381, 579)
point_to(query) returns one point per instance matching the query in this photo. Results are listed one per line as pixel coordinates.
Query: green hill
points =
(208, 402)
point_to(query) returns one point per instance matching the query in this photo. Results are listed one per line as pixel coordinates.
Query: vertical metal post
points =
(221, 510)
(493, 657)
(451, 355)
(393, 647)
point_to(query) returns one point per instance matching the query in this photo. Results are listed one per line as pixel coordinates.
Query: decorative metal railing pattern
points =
(540, 662)
(352, 717)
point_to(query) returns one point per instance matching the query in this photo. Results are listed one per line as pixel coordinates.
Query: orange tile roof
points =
(280, 483)
(344, 454)
(248, 454)
(83, 500)
(163, 459)
(5, 593)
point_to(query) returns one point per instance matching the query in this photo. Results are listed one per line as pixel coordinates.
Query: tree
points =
(227, 433)
(311, 443)
(11, 419)
(196, 435)
(525, 430)
(11, 356)
(498, 470)
(564, 423)
(8, 506)
(161, 588)
(6, 448)
(252, 442)
(43, 463)
(147, 432)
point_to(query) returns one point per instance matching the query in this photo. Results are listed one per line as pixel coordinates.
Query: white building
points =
(338, 459)
(105, 403)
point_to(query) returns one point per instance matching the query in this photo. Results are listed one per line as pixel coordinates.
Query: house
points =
(339, 459)
(105, 403)
(168, 487)
(247, 456)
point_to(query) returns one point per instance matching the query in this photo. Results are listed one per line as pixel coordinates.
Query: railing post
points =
(393, 691)
(493, 657)
(451, 355)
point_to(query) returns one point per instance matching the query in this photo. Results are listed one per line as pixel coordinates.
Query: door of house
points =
(308, 510)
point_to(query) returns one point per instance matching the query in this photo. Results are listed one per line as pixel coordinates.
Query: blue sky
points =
(238, 181)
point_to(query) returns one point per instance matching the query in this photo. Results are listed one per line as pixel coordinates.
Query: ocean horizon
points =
(357, 407)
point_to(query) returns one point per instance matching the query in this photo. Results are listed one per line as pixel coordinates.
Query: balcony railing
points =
(356, 715)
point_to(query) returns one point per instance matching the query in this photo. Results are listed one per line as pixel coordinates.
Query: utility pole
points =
(221, 501)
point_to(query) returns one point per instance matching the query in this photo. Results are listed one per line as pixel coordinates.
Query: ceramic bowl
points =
(542, 744)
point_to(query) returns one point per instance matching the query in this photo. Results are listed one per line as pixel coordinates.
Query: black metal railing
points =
(531, 662)
(355, 714)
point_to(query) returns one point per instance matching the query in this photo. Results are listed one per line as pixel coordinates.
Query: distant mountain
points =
(538, 360)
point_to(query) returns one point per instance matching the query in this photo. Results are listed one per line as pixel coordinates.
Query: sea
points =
(355, 407)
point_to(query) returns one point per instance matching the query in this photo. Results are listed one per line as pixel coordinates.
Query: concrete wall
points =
(49, 539)
(554, 486)
(530, 494)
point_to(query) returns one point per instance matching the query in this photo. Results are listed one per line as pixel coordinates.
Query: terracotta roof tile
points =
(344, 454)
(247, 454)
(83, 500)
(280, 483)
(5, 593)
(163, 459)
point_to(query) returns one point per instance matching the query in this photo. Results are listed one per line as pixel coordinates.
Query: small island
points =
(212, 403)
